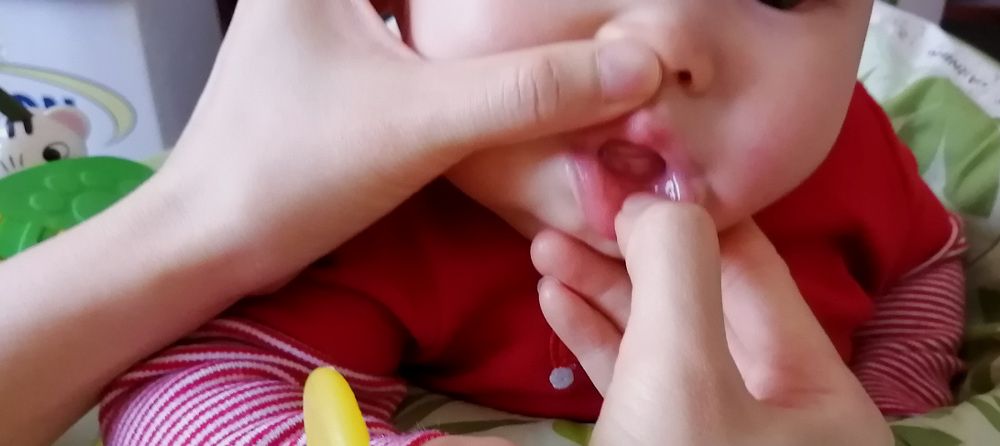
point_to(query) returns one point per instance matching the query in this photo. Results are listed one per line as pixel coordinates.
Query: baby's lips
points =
(645, 170)
(674, 187)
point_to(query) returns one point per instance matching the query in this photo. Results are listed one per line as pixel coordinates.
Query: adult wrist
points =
(104, 295)
(196, 230)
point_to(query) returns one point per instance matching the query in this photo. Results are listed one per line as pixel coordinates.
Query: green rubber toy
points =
(40, 202)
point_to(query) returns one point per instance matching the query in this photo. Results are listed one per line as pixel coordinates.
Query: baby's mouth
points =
(612, 171)
(631, 162)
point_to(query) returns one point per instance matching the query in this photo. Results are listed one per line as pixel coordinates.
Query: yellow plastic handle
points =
(332, 415)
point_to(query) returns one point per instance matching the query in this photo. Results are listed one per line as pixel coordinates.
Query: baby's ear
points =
(72, 118)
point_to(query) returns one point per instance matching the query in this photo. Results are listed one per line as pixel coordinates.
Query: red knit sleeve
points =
(907, 354)
(235, 383)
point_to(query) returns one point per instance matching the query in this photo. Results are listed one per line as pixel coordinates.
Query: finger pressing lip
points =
(633, 207)
(672, 256)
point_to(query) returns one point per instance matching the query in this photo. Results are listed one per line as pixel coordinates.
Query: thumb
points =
(672, 255)
(674, 357)
(531, 93)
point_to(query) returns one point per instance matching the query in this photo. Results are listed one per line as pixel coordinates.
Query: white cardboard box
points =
(135, 67)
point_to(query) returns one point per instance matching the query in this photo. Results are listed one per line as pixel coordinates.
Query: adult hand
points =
(683, 357)
(317, 121)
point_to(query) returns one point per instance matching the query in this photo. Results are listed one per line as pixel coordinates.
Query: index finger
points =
(672, 255)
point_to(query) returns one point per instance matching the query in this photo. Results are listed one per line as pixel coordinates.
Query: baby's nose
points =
(679, 32)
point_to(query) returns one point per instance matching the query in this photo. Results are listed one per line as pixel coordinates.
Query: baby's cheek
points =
(759, 175)
(450, 29)
(784, 143)
(756, 167)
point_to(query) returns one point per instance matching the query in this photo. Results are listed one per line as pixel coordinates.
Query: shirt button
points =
(561, 378)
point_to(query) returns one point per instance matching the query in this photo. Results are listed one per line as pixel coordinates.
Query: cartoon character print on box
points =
(47, 182)
(47, 135)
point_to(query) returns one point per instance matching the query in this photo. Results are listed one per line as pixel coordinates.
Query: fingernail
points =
(628, 71)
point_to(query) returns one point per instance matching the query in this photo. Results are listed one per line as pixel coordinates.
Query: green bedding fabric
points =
(944, 101)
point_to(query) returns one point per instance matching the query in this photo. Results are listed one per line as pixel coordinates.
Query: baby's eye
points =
(783, 5)
(55, 152)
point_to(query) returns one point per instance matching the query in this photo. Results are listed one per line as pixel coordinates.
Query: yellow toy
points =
(332, 416)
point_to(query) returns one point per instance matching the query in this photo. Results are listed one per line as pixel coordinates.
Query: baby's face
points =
(753, 96)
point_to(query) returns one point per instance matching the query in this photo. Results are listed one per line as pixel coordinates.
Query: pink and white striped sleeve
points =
(906, 356)
(233, 383)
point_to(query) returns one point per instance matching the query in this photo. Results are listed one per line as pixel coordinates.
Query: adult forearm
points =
(80, 308)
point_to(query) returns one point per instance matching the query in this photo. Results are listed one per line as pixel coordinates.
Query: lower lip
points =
(601, 192)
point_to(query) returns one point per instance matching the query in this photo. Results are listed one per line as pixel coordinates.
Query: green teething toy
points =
(40, 202)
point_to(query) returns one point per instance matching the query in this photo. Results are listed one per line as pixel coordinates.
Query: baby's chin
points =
(530, 225)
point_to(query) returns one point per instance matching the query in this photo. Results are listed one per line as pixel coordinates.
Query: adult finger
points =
(599, 280)
(530, 93)
(672, 254)
(588, 333)
(775, 328)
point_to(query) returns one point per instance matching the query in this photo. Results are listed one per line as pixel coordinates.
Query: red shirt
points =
(443, 292)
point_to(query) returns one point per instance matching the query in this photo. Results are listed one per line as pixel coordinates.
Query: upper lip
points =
(642, 129)
(647, 129)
